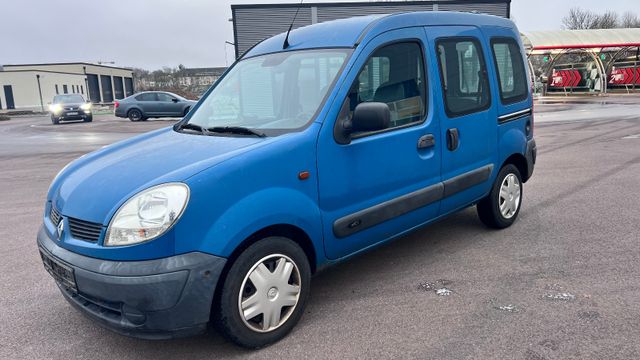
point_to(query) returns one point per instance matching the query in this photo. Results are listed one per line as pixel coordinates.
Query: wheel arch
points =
(134, 107)
(519, 161)
(288, 231)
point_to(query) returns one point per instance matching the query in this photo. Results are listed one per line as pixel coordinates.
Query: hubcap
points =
(269, 293)
(509, 197)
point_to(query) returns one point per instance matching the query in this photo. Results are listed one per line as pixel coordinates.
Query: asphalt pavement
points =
(562, 283)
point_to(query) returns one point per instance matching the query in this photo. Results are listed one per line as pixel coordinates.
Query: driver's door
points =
(385, 182)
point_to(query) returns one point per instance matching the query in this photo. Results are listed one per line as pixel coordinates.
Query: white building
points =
(33, 86)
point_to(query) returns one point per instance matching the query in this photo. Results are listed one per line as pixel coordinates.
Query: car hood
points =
(94, 186)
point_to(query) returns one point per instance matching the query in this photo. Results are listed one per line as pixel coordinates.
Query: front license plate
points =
(72, 113)
(62, 273)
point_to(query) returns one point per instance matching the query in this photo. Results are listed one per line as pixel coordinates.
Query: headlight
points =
(147, 215)
(85, 107)
(55, 108)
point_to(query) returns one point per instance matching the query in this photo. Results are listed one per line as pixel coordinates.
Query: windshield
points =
(280, 91)
(68, 99)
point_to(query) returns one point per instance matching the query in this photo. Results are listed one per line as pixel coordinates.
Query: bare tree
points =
(579, 19)
(629, 20)
(608, 20)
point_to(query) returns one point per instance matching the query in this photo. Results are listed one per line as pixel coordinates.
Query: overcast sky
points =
(155, 33)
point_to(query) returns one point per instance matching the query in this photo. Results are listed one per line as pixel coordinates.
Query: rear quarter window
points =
(512, 78)
(146, 97)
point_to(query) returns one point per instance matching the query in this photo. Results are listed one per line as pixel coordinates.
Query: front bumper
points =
(72, 115)
(152, 299)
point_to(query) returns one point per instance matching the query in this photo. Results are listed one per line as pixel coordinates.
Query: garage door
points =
(94, 88)
(129, 85)
(107, 89)
(118, 87)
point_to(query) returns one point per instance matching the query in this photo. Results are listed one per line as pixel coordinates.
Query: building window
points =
(57, 91)
(65, 89)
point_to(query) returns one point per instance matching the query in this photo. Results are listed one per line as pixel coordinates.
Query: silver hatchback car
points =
(152, 104)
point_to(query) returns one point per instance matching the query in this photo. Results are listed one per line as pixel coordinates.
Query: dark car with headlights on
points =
(70, 107)
(152, 104)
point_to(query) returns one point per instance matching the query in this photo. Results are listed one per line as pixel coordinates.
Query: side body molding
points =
(387, 210)
(464, 181)
(369, 217)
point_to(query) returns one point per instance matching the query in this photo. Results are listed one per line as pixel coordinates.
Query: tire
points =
(250, 331)
(500, 210)
(135, 115)
(88, 118)
(55, 120)
(186, 111)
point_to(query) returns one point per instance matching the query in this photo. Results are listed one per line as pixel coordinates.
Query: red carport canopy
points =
(581, 39)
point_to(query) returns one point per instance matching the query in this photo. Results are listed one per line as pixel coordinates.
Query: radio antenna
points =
(286, 38)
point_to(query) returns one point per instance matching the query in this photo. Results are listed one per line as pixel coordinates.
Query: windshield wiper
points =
(235, 130)
(195, 127)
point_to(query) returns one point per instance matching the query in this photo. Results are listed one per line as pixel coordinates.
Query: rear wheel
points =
(501, 207)
(264, 293)
(55, 120)
(135, 115)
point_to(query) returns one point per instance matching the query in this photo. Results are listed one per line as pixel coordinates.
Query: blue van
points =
(313, 147)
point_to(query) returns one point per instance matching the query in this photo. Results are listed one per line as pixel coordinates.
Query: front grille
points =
(85, 230)
(54, 215)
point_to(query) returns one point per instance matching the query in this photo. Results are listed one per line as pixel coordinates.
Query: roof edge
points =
(71, 63)
(360, 3)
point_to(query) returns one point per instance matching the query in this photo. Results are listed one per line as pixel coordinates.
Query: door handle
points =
(453, 139)
(426, 141)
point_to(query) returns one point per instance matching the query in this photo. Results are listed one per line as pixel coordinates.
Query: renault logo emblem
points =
(60, 229)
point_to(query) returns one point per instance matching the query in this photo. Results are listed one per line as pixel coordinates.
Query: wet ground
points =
(562, 283)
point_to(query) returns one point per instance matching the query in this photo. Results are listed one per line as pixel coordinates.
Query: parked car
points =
(301, 156)
(70, 107)
(152, 104)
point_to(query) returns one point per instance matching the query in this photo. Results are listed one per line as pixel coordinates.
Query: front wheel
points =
(501, 207)
(264, 293)
(55, 120)
(88, 118)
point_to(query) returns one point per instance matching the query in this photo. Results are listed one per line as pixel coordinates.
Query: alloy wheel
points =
(135, 115)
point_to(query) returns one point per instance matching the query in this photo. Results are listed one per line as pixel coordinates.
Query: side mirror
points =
(367, 116)
(174, 100)
(370, 116)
